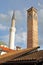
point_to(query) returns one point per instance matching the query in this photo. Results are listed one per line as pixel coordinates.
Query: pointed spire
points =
(13, 17)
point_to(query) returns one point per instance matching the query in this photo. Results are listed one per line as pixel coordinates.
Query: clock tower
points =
(32, 28)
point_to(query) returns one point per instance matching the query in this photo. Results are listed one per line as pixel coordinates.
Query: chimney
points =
(18, 48)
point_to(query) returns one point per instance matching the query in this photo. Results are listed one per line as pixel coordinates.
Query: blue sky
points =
(20, 7)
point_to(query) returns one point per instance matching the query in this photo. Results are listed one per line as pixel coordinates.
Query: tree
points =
(2, 43)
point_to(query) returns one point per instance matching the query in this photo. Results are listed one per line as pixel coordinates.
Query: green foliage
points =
(2, 43)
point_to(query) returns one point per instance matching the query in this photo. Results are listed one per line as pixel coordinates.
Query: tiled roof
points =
(14, 55)
(5, 49)
(37, 55)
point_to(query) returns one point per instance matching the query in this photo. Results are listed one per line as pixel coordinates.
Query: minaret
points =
(32, 28)
(12, 32)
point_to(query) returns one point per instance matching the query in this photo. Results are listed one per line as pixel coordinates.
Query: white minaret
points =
(12, 33)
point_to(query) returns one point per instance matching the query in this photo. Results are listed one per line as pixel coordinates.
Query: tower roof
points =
(32, 9)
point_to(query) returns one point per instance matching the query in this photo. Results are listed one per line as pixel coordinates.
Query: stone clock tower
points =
(32, 28)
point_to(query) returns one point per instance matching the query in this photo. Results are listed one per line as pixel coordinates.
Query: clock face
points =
(35, 16)
(29, 16)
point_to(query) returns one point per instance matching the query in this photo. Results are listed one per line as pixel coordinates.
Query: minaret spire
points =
(13, 17)
(12, 32)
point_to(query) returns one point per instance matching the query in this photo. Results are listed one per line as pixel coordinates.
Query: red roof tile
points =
(6, 49)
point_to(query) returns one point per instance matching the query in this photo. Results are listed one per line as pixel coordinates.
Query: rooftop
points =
(17, 55)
